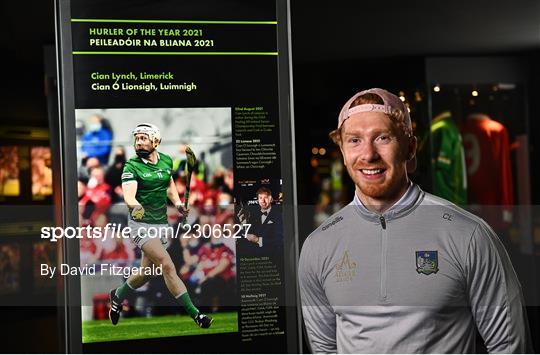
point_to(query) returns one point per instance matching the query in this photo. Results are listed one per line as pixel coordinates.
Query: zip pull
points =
(383, 222)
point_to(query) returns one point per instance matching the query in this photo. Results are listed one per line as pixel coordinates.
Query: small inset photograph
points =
(259, 210)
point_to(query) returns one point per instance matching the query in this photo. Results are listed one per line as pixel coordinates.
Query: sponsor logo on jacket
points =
(334, 222)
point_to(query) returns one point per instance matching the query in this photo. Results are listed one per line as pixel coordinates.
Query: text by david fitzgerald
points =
(100, 269)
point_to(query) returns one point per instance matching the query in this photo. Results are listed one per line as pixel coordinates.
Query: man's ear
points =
(342, 154)
(413, 144)
(411, 155)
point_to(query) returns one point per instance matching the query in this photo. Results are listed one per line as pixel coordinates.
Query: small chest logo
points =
(427, 262)
(147, 175)
(345, 268)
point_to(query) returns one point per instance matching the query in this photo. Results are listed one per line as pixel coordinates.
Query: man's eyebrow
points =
(373, 132)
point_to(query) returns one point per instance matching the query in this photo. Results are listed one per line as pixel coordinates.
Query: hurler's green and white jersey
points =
(152, 183)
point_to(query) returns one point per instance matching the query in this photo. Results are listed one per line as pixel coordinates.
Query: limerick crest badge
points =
(427, 262)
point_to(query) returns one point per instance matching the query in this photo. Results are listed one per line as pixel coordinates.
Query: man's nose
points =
(369, 152)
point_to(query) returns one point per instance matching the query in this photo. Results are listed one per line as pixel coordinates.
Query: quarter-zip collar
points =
(410, 199)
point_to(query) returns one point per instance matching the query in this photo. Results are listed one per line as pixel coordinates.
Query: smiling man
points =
(399, 270)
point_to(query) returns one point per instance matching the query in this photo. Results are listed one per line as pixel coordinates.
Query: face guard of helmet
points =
(154, 136)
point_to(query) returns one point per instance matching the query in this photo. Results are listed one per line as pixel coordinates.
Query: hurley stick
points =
(191, 160)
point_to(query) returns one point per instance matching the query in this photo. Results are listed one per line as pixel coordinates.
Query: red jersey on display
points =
(487, 154)
(210, 256)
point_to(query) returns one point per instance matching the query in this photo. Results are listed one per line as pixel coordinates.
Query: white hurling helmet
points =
(151, 130)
